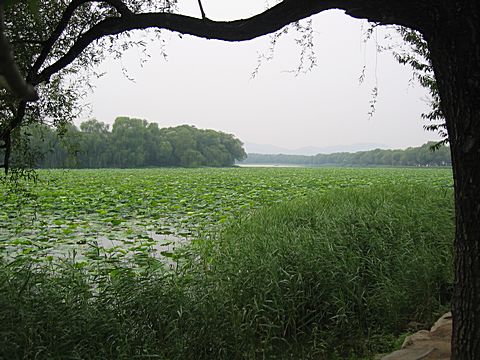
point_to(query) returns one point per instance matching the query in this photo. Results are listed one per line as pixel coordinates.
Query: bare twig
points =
(201, 9)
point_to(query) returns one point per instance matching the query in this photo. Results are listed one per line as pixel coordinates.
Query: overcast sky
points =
(208, 83)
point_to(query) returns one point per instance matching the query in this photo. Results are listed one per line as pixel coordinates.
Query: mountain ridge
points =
(311, 150)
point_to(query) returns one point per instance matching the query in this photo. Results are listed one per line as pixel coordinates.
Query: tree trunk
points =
(455, 52)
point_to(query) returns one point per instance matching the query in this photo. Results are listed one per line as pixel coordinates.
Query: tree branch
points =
(120, 6)
(271, 20)
(62, 25)
(201, 9)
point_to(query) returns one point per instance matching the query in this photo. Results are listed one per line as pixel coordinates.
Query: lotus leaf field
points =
(136, 214)
(285, 263)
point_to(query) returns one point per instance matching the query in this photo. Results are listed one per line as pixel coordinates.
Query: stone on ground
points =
(427, 345)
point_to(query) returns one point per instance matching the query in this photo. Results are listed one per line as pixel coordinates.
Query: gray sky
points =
(208, 83)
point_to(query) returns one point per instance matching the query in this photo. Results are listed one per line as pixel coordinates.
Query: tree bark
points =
(455, 53)
(10, 76)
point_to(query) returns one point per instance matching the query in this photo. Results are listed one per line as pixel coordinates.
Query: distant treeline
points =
(413, 156)
(130, 143)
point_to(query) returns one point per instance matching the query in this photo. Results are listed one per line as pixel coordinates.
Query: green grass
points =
(334, 274)
(346, 266)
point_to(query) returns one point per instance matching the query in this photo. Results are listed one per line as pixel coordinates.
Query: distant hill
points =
(253, 148)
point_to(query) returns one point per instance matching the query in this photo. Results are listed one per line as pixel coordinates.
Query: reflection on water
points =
(159, 243)
(132, 243)
(269, 165)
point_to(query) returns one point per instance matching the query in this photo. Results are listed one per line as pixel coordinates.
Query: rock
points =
(419, 336)
(443, 327)
(427, 345)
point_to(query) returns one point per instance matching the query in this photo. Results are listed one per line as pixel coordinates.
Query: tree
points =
(34, 35)
(450, 28)
(131, 143)
(94, 144)
(419, 156)
(129, 137)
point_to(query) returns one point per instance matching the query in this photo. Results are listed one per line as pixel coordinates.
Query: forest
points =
(136, 143)
(424, 155)
(131, 143)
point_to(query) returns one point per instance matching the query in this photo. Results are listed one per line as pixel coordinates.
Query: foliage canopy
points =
(130, 143)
